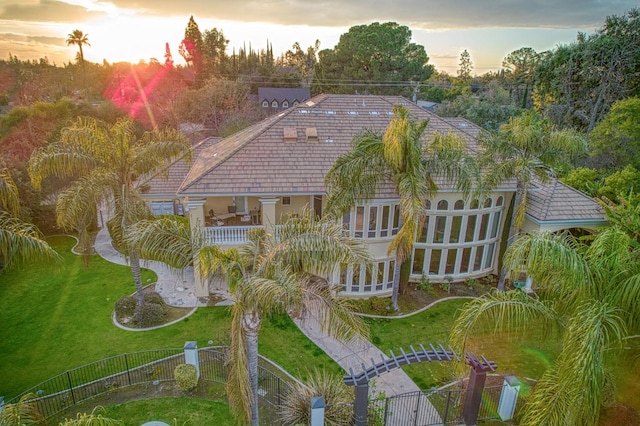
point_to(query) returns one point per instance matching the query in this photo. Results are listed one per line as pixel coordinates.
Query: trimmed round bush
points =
(152, 314)
(186, 376)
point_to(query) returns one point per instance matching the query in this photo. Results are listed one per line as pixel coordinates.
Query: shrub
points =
(154, 297)
(152, 314)
(186, 376)
(125, 306)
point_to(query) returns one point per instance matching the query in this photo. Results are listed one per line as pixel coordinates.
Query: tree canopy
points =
(375, 58)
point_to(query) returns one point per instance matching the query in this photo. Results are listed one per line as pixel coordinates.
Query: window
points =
(265, 104)
(460, 242)
(286, 201)
(274, 104)
(418, 261)
(285, 104)
(373, 221)
(295, 103)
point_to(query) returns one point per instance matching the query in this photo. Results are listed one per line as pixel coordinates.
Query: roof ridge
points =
(547, 201)
(159, 171)
(263, 126)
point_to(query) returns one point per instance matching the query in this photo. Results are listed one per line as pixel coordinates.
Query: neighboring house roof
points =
(558, 203)
(258, 160)
(283, 94)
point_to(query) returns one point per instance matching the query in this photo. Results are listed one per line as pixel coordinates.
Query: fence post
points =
(73, 397)
(317, 411)
(508, 397)
(474, 397)
(191, 356)
(361, 404)
(126, 364)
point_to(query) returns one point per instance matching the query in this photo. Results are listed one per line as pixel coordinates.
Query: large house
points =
(272, 169)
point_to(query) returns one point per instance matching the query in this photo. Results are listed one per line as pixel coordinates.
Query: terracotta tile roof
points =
(259, 161)
(557, 202)
(169, 184)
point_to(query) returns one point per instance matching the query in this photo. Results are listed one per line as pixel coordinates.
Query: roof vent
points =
(330, 112)
(312, 134)
(303, 111)
(374, 113)
(290, 134)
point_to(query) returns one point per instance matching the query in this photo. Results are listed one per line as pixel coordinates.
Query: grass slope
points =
(59, 318)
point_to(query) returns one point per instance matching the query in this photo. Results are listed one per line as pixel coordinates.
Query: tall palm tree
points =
(403, 156)
(19, 241)
(107, 162)
(592, 292)
(79, 39)
(270, 274)
(527, 148)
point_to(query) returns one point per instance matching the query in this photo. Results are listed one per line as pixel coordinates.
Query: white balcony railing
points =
(226, 235)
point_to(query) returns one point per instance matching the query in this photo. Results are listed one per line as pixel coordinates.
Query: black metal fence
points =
(72, 387)
(438, 407)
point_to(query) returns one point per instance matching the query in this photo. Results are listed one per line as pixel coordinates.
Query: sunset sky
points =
(134, 30)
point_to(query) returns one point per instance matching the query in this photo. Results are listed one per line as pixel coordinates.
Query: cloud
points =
(422, 14)
(44, 11)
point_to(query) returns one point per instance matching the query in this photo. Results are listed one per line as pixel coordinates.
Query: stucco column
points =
(195, 210)
(268, 213)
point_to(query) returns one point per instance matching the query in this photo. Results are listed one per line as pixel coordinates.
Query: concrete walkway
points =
(179, 290)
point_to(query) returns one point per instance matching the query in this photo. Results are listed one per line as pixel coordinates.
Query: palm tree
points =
(268, 275)
(403, 156)
(107, 163)
(80, 39)
(527, 148)
(23, 412)
(19, 241)
(591, 291)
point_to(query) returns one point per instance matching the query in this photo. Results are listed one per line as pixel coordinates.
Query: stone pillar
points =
(195, 210)
(191, 356)
(268, 213)
(508, 397)
(317, 411)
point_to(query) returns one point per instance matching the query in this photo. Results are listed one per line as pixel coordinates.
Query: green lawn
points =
(175, 411)
(58, 318)
(524, 355)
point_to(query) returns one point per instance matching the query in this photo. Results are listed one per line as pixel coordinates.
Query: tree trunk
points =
(397, 266)
(513, 231)
(134, 260)
(251, 323)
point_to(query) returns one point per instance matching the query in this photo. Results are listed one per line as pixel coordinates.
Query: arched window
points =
(459, 205)
(274, 104)
(265, 104)
(295, 103)
(443, 205)
(285, 104)
(475, 204)
(487, 202)
(427, 205)
(499, 201)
